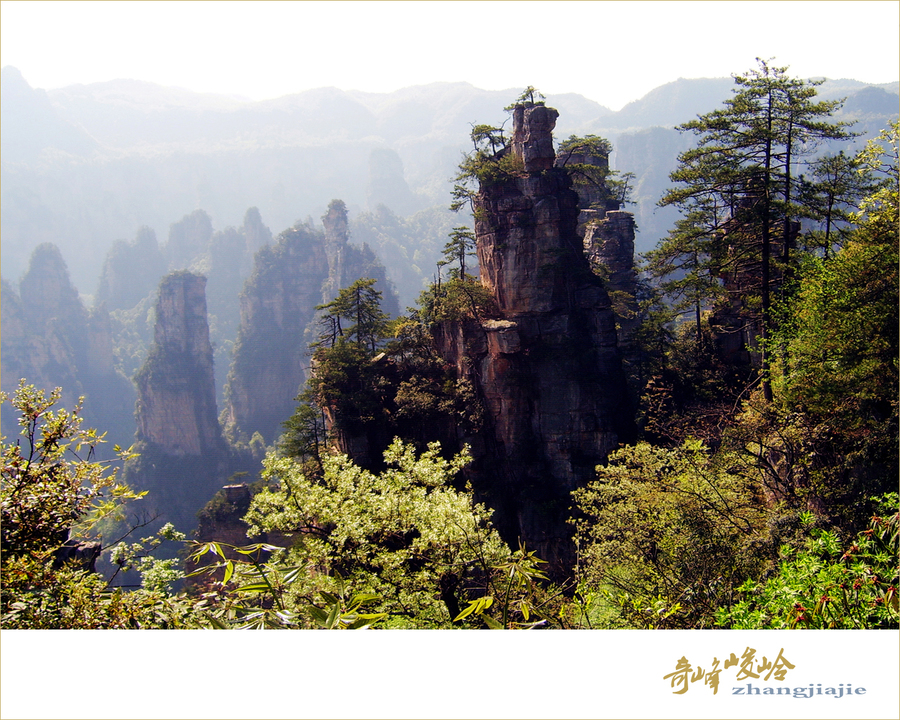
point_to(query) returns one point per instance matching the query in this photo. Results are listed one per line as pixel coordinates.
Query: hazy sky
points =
(611, 52)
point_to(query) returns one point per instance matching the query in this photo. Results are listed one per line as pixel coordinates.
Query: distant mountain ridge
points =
(85, 165)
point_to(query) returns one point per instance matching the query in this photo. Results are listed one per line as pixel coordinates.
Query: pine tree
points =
(688, 257)
(460, 246)
(744, 162)
(360, 302)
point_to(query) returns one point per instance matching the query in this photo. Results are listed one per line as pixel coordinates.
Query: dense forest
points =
(555, 433)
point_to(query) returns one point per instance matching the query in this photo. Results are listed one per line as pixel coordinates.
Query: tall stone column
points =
(176, 407)
(548, 371)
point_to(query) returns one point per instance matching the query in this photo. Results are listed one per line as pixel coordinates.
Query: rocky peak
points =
(609, 243)
(181, 324)
(50, 339)
(188, 238)
(337, 236)
(532, 139)
(255, 232)
(337, 229)
(45, 328)
(528, 249)
(46, 290)
(131, 271)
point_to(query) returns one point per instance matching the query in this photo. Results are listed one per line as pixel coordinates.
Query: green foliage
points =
(52, 490)
(251, 594)
(398, 549)
(841, 330)
(593, 145)
(666, 535)
(832, 195)
(487, 135)
(821, 587)
(426, 393)
(484, 166)
(36, 596)
(457, 299)
(340, 611)
(405, 390)
(404, 535)
(345, 381)
(687, 263)
(522, 599)
(409, 245)
(48, 489)
(157, 575)
(834, 432)
(305, 432)
(592, 177)
(530, 95)
(689, 391)
(878, 211)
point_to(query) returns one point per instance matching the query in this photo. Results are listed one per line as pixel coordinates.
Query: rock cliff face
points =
(337, 236)
(607, 233)
(176, 408)
(270, 356)
(548, 371)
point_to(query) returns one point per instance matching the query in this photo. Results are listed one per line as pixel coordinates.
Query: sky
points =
(610, 52)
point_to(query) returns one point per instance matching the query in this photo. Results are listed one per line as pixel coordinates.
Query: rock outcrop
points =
(607, 232)
(176, 408)
(548, 370)
(255, 232)
(348, 263)
(188, 238)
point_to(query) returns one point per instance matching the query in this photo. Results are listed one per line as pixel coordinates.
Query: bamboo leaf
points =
(491, 623)
(333, 616)
(293, 573)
